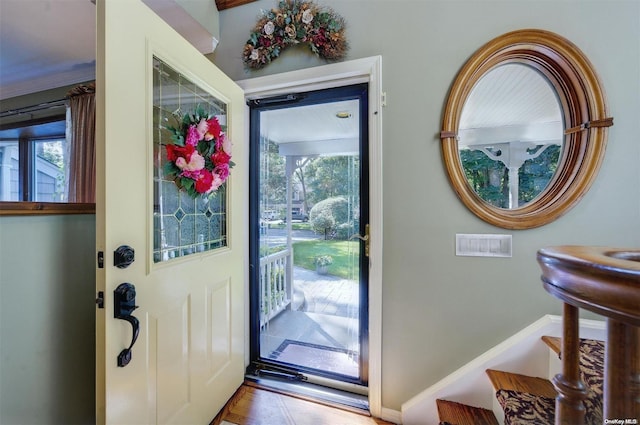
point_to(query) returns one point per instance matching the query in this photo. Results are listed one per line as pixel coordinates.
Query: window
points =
(34, 162)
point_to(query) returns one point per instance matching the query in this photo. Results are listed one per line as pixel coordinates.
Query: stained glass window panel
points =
(182, 225)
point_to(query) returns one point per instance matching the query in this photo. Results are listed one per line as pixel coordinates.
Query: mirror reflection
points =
(510, 135)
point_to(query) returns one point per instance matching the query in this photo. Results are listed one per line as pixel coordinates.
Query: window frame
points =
(44, 208)
(26, 182)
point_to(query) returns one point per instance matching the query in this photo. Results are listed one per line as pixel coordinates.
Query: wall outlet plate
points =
(483, 245)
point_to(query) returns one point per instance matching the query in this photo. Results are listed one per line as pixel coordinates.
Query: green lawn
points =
(294, 226)
(344, 253)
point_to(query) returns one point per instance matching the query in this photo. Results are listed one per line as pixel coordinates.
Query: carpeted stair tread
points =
(521, 383)
(591, 373)
(588, 347)
(521, 408)
(453, 413)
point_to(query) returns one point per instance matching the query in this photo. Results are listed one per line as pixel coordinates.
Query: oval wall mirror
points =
(524, 129)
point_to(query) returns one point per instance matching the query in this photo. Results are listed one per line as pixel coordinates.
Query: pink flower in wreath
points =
(192, 136)
(202, 128)
(217, 182)
(225, 144)
(194, 163)
(222, 170)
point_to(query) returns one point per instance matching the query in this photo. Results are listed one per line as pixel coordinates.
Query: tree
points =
(273, 188)
(299, 174)
(329, 214)
(53, 152)
(331, 176)
(535, 174)
(490, 178)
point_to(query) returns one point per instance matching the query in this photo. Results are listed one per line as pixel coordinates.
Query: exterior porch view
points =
(308, 319)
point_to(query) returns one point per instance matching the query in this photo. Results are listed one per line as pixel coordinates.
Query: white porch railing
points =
(275, 284)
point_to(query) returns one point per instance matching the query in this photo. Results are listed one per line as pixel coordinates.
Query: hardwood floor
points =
(256, 406)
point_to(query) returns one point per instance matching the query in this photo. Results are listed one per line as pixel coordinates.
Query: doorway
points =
(309, 215)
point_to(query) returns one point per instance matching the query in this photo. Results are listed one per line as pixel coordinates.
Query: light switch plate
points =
(483, 245)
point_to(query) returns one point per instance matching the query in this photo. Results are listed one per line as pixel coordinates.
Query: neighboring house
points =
(440, 311)
(50, 178)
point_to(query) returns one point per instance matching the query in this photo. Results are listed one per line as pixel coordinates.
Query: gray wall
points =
(47, 319)
(439, 310)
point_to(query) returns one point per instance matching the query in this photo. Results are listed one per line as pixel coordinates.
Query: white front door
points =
(188, 261)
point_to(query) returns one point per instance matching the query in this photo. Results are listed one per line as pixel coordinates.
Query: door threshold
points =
(356, 403)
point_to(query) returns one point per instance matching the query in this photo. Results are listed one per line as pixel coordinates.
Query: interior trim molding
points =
(45, 208)
(336, 75)
(228, 4)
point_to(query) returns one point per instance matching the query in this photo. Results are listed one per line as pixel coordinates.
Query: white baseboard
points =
(390, 415)
(521, 353)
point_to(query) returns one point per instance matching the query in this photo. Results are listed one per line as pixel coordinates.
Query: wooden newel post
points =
(621, 379)
(635, 372)
(605, 281)
(571, 390)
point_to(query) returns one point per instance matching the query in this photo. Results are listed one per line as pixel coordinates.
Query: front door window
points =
(182, 224)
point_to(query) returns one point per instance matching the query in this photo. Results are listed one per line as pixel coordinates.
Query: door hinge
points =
(100, 299)
(100, 260)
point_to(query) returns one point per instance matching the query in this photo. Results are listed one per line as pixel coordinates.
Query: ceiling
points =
(47, 44)
(330, 128)
(51, 43)
(511, 103)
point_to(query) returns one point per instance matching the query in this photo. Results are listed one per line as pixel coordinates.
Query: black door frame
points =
(351, 92)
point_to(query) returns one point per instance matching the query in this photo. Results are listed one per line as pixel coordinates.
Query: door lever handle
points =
(124, 303)
(125, 355)
(366, 238)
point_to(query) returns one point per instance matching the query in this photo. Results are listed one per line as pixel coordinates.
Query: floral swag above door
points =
(295, 22)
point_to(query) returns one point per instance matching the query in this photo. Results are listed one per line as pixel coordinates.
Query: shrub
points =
(322, 223)
(328, 214)
(344, 231)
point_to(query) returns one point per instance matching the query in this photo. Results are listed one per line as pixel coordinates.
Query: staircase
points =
(595, 385)
(525, 399)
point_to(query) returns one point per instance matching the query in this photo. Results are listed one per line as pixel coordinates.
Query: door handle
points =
(366, 238)
(124, 302)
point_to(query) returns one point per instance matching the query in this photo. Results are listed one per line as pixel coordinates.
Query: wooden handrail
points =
(605, 281)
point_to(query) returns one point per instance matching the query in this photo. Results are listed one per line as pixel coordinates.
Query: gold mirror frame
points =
(584, 113)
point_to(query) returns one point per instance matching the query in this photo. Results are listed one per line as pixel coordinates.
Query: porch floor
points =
(324, 312)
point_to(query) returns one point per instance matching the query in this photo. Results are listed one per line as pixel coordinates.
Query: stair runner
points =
(528, 400)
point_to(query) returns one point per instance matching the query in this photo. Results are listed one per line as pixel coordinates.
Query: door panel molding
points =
(219, 326)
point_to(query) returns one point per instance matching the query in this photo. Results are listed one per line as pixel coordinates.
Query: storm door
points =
(308, 236)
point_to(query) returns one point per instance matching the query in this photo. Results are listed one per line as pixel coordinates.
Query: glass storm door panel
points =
(186, 361)
(308, 207)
